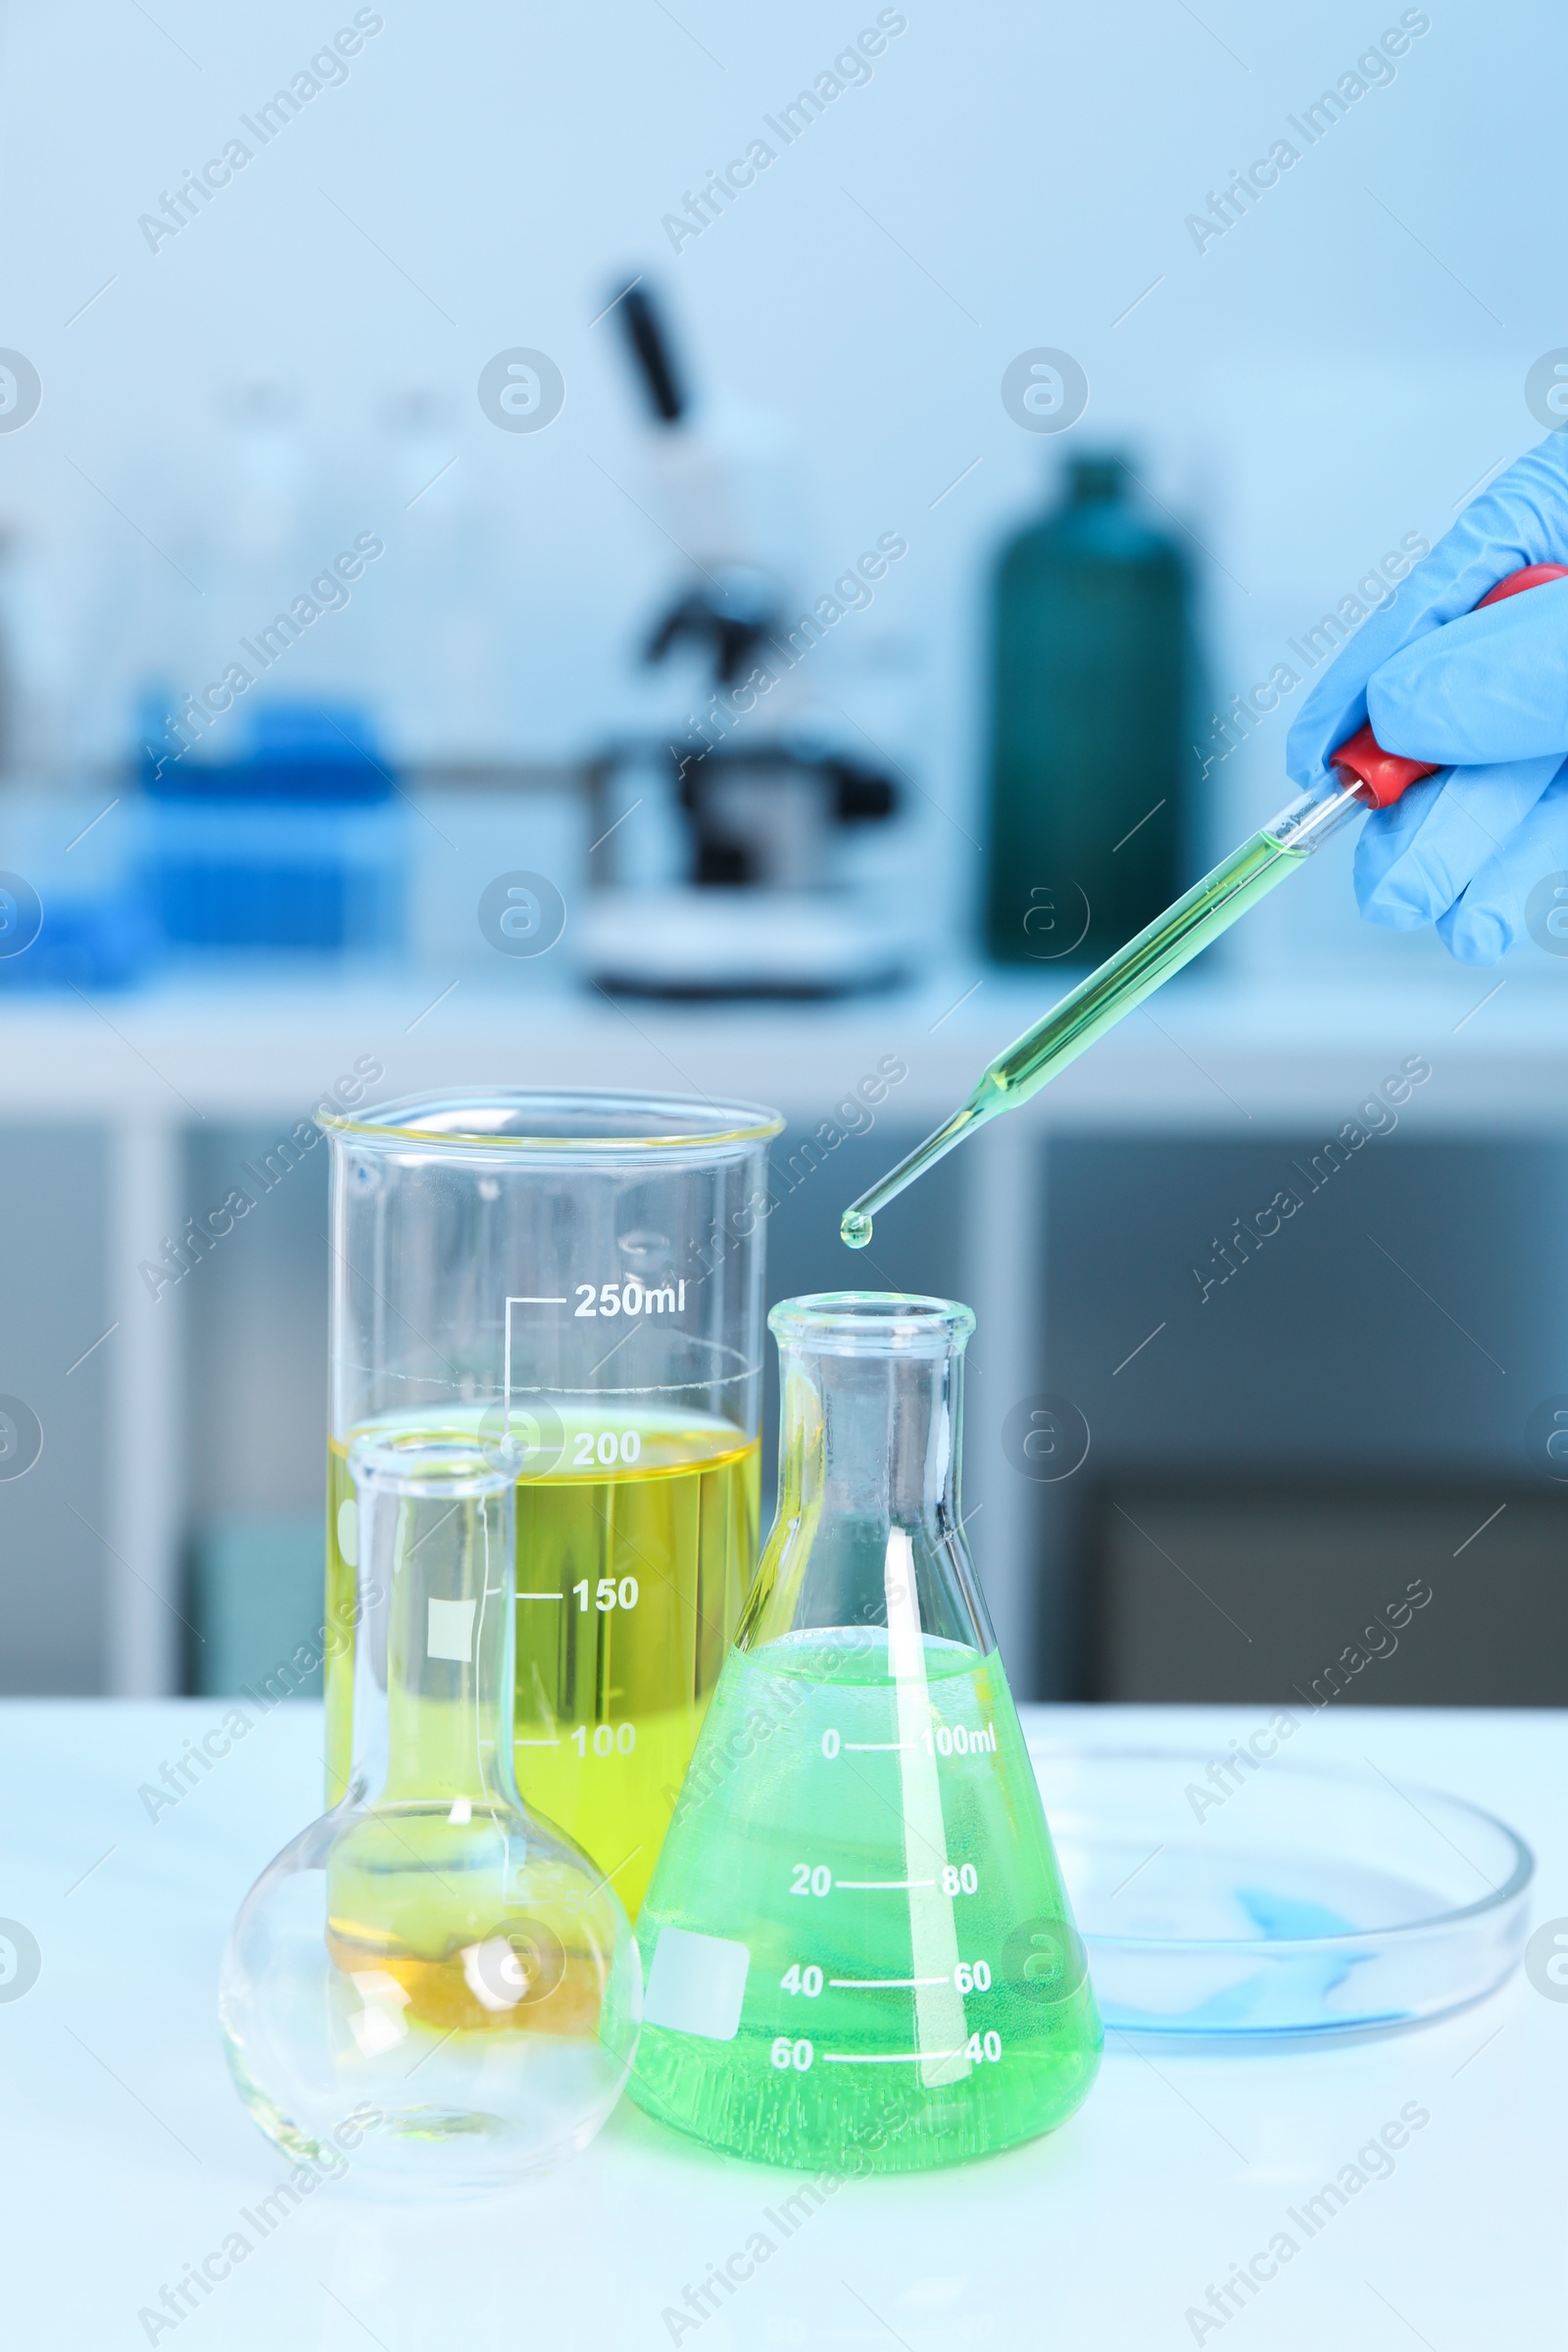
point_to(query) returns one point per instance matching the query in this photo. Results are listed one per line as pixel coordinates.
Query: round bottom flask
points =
(430, 1974)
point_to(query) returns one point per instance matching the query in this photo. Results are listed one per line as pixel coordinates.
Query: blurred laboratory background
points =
(729, 550)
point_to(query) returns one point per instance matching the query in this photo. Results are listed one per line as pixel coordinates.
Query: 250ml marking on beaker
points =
(632, 1297)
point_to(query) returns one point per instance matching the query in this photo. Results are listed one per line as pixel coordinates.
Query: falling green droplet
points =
(855, 1229)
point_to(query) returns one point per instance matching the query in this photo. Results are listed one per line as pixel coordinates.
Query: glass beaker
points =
(429, 1974)
(578, 1275)
(857, 1948)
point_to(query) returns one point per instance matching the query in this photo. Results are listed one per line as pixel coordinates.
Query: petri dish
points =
(1225, 1900)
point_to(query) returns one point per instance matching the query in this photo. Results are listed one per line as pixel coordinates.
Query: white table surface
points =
(128, 2156)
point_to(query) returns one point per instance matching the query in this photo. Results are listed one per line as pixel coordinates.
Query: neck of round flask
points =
(434, 1664)
(871, 1441)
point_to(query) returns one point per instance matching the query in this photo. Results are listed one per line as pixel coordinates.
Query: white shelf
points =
(1221, 1058)
(1203, 1055)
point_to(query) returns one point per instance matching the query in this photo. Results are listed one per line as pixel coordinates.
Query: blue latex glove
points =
(1486, 694)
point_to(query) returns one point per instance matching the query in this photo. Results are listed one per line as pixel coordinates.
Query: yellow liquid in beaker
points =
(635, 1553)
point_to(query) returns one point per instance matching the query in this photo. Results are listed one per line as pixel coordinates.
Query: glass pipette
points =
(1360, 776)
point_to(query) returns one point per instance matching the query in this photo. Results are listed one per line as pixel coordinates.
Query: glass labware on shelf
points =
(431, 1963)
(860, 1955)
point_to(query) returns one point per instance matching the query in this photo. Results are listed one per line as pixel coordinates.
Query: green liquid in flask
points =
(874, 1964)
(1095, 1006)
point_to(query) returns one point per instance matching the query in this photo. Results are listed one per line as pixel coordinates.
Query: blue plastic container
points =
(88, 941)
(298, 844)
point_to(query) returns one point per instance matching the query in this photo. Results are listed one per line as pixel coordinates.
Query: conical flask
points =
(432, 1975)
(860, 1955)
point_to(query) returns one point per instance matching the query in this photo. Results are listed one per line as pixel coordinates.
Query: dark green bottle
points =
(1091, 696)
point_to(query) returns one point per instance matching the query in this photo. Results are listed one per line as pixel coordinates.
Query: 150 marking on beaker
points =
(608, 1596)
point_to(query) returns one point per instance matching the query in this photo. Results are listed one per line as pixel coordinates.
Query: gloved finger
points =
(1489, 687)
(1337, 704)
(1382, 842)
(1521, 519)
(1413, 861)
(1491, 913)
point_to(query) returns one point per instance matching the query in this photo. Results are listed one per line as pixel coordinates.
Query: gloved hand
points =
(1486, 693)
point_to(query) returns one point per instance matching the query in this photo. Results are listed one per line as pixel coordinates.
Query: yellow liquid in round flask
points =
(574, 1281)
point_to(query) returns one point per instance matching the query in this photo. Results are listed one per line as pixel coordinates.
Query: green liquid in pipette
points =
(1095, 1006)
